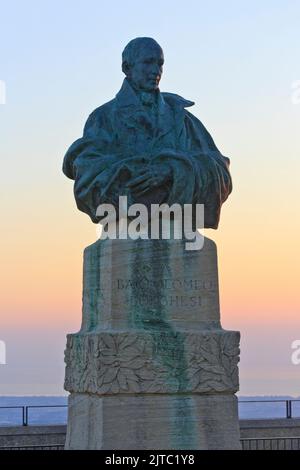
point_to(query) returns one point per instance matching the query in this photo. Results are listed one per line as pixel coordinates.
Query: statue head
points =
(142, 63)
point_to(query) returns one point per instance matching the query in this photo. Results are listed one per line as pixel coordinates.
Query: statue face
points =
(146, 72)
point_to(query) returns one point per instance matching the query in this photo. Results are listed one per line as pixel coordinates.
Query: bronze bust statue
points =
(145, 144)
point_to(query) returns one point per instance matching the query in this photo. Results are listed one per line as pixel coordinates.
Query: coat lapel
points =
(128, 109)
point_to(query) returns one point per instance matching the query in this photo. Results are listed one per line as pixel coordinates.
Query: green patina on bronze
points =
(145, 145)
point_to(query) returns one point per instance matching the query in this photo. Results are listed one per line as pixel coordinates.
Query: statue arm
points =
(211, 162)
(91, 162)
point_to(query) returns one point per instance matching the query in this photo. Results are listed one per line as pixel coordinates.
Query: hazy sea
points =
(53, 410)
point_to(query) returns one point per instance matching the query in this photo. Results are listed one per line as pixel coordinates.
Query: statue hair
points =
(134, 46)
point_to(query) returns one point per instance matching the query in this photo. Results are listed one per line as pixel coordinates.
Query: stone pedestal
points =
(151, 367)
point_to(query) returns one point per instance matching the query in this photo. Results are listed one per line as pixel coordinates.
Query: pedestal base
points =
(151, 367)
(147, 422)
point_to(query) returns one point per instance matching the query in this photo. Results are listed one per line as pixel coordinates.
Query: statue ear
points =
(125, 68)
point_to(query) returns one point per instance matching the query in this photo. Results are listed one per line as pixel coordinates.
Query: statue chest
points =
(138, 132)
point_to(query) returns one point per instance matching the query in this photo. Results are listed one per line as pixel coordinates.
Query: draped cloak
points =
(120, 138)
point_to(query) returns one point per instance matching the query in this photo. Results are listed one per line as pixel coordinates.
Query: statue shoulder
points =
(176, 100)
(100, 117)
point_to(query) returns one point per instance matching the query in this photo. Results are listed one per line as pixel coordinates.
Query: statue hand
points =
(149, 179)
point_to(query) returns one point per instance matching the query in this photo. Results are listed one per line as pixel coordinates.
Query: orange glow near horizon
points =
(42, 261)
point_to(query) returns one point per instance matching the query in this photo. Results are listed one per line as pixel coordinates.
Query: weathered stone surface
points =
(183, 421)
(142, 284)
(159, 362)
(165, 369)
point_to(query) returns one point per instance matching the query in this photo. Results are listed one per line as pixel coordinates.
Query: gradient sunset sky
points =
(239, 62)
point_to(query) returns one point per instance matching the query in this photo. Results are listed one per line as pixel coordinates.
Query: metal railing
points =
(25, 415)
(34, 447)
(271, 443)
(288, 405)
(261, 443)
(25, 410)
